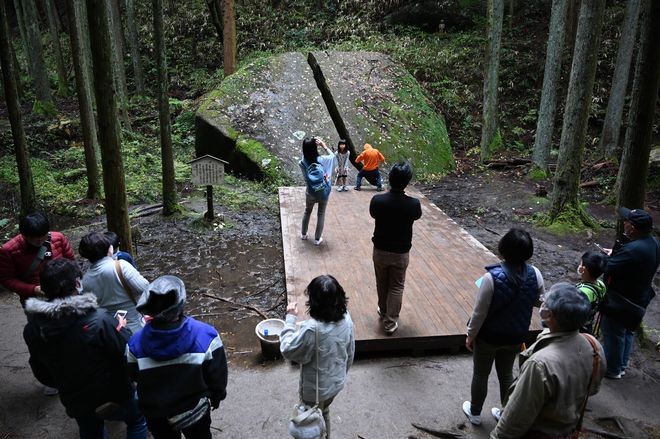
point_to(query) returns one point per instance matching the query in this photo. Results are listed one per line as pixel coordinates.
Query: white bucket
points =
(270, 344)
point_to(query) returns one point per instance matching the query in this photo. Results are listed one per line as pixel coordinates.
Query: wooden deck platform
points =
(445, 262)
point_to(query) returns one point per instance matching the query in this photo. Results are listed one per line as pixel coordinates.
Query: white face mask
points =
(79, 287)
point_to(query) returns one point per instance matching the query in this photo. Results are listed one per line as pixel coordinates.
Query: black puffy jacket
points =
(75, 347)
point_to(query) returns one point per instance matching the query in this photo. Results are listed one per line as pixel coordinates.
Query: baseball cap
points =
(638, 218)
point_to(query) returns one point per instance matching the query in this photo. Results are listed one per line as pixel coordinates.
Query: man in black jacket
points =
(79, 349)
(394, 212)
(628, 275)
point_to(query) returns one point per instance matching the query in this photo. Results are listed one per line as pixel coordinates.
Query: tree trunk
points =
(576, 114)
(229, 27)
(489, 130)
(167, 157)
(117, 41)
(546, 119)
(215, 11)
(609, 140)
(133, 41)
(62, 83)
(631, 181)
(85, 46)
(17, 75)
(572, 22)
(15, 119)
(114, 182)
(84, 100)
(44, 100)
(20, 19)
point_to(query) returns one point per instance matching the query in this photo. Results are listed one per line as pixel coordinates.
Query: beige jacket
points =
(548, 394)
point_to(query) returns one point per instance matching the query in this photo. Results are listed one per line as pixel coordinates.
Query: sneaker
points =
(50, 391)
(318, 241)
(467, 409)
(623, 373)
(613, 376)
(357, 188)
(344, 188)
(339, 189)
(303, 237)
(381, 316)
(497, 413)
(391, 327)
(379, 189)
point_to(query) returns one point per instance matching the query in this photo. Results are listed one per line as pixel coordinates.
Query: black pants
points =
(160, 429)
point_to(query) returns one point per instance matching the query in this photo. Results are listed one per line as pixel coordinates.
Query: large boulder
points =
(256, 119)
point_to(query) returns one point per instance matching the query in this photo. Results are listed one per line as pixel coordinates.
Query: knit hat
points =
(163, 299)
(638, 218)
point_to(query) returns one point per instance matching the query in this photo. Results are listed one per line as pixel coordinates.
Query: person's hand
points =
(122, 322)
(37, 290)
(292, 308)
(469, 343)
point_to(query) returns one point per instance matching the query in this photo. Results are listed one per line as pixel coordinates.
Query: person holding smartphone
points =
(78, 349)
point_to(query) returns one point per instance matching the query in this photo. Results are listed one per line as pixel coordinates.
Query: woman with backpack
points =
(317, 172)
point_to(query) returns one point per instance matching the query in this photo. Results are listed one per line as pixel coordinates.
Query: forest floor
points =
(234, 266)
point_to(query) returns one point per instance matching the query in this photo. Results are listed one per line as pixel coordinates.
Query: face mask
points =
(79, 288)
(578, 271)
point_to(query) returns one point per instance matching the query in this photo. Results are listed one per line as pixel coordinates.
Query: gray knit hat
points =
(163, 299)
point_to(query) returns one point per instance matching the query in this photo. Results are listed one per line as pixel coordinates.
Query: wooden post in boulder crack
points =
(329, 101)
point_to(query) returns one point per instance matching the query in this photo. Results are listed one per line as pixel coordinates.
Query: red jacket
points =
(17, 255)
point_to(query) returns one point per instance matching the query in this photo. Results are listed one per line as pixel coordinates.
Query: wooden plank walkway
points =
(440, 288)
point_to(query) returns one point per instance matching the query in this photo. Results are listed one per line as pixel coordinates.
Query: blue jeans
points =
(617, 343)
(93, 427)
(370, 176)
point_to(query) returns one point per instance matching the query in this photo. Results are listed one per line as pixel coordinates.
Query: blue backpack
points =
(317, 180)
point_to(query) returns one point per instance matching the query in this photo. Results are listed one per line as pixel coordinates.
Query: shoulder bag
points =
(308, 422)
(123, 282)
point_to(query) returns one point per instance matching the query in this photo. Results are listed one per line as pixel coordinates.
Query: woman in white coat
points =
(328, 310)
(116, 284)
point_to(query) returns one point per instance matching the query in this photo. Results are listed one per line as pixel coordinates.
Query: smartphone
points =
(120, 313)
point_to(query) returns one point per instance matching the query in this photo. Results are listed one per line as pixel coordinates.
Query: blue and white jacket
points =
(175, 367)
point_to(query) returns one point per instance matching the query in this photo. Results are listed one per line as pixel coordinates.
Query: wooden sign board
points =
(208, 171)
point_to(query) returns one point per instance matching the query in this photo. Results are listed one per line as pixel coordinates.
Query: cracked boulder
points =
(257, 117)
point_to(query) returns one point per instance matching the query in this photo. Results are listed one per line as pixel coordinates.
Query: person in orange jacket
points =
(370, 158)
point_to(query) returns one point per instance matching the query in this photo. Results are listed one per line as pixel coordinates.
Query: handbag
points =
(308, 422)
(623, 310)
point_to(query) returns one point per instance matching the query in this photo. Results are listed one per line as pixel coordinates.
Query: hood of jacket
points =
(57, 315)
(367, 146)
(165, 344)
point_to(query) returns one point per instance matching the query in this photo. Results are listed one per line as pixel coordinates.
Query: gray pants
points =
(483, 357)
(390, 269)
(310, 201)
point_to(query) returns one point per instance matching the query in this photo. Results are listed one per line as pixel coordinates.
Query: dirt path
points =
(240, 259)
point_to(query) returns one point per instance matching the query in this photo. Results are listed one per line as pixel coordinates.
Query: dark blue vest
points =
(510, 312)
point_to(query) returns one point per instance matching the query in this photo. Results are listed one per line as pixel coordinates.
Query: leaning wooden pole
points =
(331, 105)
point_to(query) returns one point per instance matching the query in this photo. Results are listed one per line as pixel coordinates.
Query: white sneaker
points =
(303, 237)
(467, 409)
(318, 241)
(497, 413)
(345, 189)
(339, 189)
